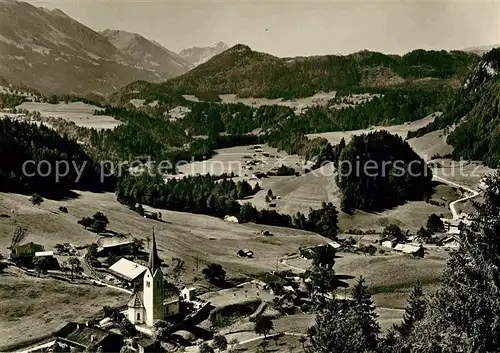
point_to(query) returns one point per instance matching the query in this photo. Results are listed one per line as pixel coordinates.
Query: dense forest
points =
(379, 171)
(392, 107)
(143, 135)
(247, 73)
(277, 125)
(474, 115)
(478, 137)
(21, 142)
(9, 100)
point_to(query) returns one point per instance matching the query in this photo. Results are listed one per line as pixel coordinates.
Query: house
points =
(334, 245)
(388, 244)
(148, 345)
(52, 263)
(172, 306)
(128, 271)
(410, 249)
(44, 254)
(84, 338)
(117, 248)
(245, 253)
(188, 294)
(25, 250)
(148, 305)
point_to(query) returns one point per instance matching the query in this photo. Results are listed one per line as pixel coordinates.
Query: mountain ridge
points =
(149, 54)
(247, 73)
(54, 53)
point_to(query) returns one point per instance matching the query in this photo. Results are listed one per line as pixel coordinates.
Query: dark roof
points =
(146, 341)
(135, 300)
(171, 299)
(83, 335)
(154, 260)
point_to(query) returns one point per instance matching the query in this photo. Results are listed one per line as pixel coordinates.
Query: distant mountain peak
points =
(240, 48)
(148, 53)
(200, 55)
(58, 12)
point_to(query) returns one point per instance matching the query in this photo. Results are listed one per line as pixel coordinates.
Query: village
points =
(161, 314)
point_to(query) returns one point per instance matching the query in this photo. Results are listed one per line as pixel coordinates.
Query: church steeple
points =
(154, 260)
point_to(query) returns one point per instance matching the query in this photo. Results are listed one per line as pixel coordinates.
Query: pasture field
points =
(197, 239)
(306, 191)
(319, 99)
(400, 130)
(81, 114)
(238, 159)
(31, 307)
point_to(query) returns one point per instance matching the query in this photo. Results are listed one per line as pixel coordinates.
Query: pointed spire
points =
(154, 260)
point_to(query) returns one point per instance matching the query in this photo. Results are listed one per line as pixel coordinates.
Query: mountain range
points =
(51, 52)
(480, 50)
(148, 54)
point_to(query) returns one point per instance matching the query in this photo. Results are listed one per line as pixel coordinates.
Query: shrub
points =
(36, 199)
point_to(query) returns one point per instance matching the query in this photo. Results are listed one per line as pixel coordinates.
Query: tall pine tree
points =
(366, 308)
(464, 314)
(414, 312)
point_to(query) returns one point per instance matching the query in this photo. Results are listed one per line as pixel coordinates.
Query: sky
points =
(293, 28)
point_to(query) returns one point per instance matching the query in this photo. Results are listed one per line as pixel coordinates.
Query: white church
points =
(148, 304)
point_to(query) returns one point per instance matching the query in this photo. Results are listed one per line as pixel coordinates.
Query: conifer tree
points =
(463, 314)
(364, 304)
(346, 326)
(414, 312)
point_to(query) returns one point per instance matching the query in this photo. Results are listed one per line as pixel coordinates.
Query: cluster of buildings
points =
(147, 303)
(25, 254)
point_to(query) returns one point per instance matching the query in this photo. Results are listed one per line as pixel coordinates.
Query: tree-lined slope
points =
(474, 112)
(248, 73)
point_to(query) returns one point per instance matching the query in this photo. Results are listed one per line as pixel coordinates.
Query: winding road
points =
(453, 204)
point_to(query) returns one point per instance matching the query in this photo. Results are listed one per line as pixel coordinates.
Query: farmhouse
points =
(245, 253)
(410, 249)
(117, 248)
(44, 254)
(128, 271)
(84, 338)
(25, 250)
(335, 245)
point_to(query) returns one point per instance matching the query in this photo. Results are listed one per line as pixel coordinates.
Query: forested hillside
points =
(378, 171)
(43, 148)
(248, 73)
(475, 111)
